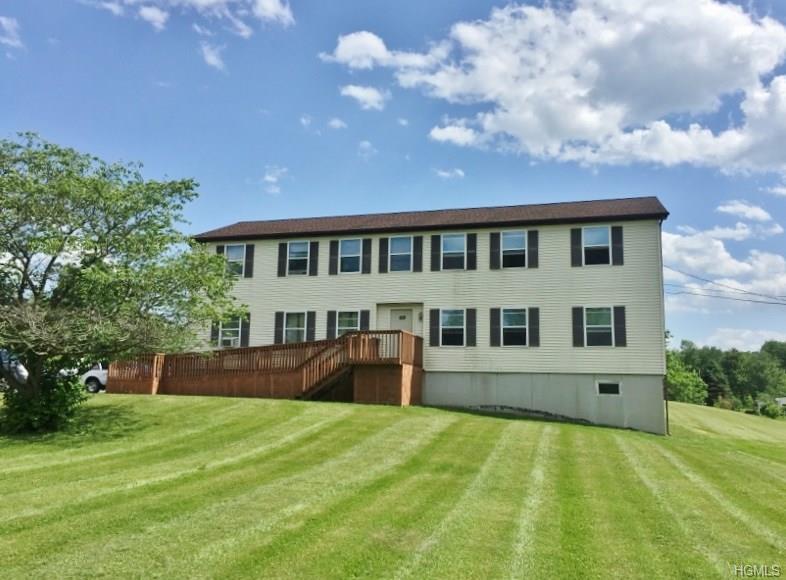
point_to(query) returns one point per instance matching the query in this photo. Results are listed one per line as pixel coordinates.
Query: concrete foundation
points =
(639, 405)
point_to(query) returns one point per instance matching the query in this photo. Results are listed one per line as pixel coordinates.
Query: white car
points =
(95, 379)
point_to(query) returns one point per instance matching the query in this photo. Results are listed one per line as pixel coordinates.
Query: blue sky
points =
(456, 104)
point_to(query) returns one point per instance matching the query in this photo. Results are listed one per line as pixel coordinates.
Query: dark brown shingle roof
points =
(548, 213)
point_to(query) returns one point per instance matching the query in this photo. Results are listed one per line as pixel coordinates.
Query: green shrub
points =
(724, 403)
(53, 407)
(772, 410)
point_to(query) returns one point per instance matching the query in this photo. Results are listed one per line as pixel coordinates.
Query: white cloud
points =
(114, 7)
(212, 55)
(154, 15)
(272, 178)
(403, 122)
(743, 209)
(455, 134)
(454, 173)
(742, 338)
(779, 190)
(9, 32)
(367, 97)
(274, 11)
(336, 123)
(366, 150)
(305, 120)
(201, 30)
(602, 81)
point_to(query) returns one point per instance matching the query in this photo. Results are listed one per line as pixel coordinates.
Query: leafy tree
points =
(684, 383)
(777, 350)
(708, 362)
(92, 267)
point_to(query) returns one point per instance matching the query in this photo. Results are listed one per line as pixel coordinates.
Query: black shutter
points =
(617, 258)
(620, 332)
(383, 255)
(433, 326)
(494, 319)
(494, 255)
(248, 270)
(245, 330)
(578, 326)
(313, 258)
(471, 326)
(365, 317)
(311, 325)
(282, 259)
(534, 327)
(220, 249)
(472, 251)
(532, 249)
(417, 257)
(278, 335)
(333, 266)
(436, 253)
(214, 334)
(575, 247)
(366, 267)
(331, 324)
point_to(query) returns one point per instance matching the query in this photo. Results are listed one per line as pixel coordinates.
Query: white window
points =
(349, 256)
(229, 334)
(599, 326)
(348, 321)
(294, 327)
(400, 254)
(596, 245)
(451, 331)
(236, 258)
(514, 327)
(298, 258)
(514, 249)
(608, 388)
(454, 251)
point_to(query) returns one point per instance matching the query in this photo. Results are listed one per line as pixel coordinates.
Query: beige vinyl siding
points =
(554, 287)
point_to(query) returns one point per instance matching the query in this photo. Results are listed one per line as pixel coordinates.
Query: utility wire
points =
(741, 290)
(727, 298)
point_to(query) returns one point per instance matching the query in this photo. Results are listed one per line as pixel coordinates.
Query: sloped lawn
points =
(181, 487)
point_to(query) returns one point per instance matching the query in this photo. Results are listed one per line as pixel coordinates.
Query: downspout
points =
(663, 329)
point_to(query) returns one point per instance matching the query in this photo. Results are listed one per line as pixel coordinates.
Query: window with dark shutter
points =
(533, 314)
(494, 252)
(401, 254)
(532, 249)
(433, 327)
(452, 327)
(472, 251)
(436, 253)
(514, 327)
(313, 259)
(220, 249)
(417, 254)
(576, 259)
(214, 334)
(245, 330)
(333, 262)
(454, 251)
(578, 326)
(311, 325)
(294, 327)
(472, 325)
(331, 324)
(349, 256)
(365, 319)
(278, 333)
(598, 326)
(596, 245)
(282, 259)
(494, 327)
(620, 332)
(297, 258)
(366, 269)
(348, 321)
(514, 249)
(248, 271)
(236, 258)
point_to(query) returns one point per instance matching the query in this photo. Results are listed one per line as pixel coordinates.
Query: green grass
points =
(180, 487)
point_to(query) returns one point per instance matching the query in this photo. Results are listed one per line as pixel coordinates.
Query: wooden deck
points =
(383, 366)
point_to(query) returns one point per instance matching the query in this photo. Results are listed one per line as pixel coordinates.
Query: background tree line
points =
(731, 379)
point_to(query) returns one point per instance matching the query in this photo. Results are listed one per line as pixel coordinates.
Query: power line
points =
(726, 298)
(741, 290)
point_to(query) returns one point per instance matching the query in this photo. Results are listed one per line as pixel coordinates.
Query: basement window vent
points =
(608, 388)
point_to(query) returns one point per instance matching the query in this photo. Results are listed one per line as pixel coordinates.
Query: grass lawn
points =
(182, 487)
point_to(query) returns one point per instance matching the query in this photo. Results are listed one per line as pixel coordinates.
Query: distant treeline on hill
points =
(732, 379)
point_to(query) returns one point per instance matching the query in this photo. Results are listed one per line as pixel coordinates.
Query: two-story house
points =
(556, 308)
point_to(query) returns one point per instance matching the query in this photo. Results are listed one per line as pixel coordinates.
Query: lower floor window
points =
(295, 327)
(452, 327)
(598, 325)
(229, 334)
(608, 388)
(348, 322)
(514, 327)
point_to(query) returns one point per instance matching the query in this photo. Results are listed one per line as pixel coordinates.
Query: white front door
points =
(401, 319)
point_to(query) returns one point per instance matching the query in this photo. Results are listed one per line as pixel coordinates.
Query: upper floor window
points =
(229, 333)
(451, 331)
(297, 258)
(514, 327)
(454, 251)
(349, 256)
(294, 327)
(235, 255)
(596, 245)
(598, 326)
(401, 254)
(514, 249)
(348, 322)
